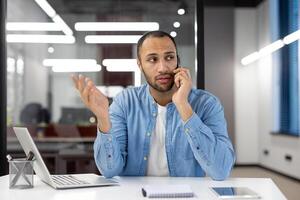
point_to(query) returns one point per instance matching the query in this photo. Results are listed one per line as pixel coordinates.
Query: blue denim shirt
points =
(198, 147)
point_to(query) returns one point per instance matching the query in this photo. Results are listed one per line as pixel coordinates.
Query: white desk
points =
(130, 189)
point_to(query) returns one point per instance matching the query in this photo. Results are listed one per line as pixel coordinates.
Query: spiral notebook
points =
(167, 191)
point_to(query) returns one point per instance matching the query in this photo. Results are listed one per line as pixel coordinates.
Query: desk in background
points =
(130, 189)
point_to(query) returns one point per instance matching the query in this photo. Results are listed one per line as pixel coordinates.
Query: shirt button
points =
(187, 130)
(149, 134)
(153, 102)
(109, 139)
(154, 114)
(145, 158)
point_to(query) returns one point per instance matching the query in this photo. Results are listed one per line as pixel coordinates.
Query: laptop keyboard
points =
(67, 180)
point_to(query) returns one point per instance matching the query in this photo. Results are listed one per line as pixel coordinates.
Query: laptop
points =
(57, 181)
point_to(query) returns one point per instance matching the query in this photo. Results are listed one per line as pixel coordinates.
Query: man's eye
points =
(169, 57)
(152, 59)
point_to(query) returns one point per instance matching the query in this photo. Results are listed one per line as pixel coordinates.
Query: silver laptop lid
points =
(28, 145)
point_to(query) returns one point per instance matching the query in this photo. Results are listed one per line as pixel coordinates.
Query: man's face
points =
(157, 61)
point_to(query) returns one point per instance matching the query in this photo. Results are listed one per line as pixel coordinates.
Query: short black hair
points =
(158, 34)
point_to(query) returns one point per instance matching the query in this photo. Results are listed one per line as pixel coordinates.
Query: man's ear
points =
(138, 63)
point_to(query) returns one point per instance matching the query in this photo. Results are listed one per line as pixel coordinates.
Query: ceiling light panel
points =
(116, 26)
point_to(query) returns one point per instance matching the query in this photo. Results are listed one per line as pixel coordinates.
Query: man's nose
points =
(162, 66)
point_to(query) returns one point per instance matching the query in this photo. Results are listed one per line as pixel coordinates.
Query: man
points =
(163, 128)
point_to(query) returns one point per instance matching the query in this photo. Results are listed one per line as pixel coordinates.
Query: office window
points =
(286, 23)
(43, 98)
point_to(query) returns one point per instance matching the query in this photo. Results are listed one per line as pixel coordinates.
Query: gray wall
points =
(219, 56)
(245, 89)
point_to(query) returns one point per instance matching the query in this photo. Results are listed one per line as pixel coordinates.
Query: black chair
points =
(34, 113)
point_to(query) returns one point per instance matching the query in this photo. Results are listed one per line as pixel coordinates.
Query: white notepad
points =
(167, 191)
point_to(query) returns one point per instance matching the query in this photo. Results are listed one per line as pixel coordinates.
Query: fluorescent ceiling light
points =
(110, 91)
(20, 66)
(292, 37)
(69, 62)
(21, 38)
(69, 68)
(32, 26)
(56, 18)
(58, 25)
(250, 58)
(112, 39)
(262, 52)
(11, 65)
(72, 65)
(121, 68)
(124, 65)
(11, 61)
(116, 26)
(120, 65)
(46, 7)
(64, 27)
(271, 48)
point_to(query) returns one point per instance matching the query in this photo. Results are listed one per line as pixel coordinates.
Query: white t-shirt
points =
(157, 159)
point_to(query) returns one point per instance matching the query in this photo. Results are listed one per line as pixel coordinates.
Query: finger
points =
(75, 80)
(94, 93)
(182, 78)
(188, 73)
(89, 82)
(95, 90)
(81, 83)
(177, 81)
(185, 70)
(180, 69)
(87, 89)
(184, 74)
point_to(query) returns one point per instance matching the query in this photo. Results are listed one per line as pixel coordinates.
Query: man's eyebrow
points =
(166, 53)
(170, 52)
(151, 54)
(154, 54)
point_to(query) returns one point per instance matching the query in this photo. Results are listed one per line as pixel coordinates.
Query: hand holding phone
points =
(183, 82)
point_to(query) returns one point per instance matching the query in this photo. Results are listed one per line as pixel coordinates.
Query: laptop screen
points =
(28, 145)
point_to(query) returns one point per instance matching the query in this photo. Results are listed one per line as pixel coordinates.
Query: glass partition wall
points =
(47, 41)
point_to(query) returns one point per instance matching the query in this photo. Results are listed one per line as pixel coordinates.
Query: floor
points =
(289, 187)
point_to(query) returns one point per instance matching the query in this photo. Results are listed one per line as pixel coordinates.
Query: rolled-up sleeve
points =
(110, 148)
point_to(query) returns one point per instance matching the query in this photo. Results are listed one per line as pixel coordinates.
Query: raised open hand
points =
(94, 99)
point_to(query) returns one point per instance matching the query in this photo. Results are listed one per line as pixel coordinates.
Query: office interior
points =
(221, 42)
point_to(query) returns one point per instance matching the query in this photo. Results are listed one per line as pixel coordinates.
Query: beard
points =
(158, 87)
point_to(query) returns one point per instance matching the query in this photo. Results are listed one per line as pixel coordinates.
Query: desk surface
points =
(130, 188)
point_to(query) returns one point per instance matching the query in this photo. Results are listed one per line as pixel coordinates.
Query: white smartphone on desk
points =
(235, 193)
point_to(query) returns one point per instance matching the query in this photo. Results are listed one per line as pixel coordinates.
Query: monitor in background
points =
(71, 115)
